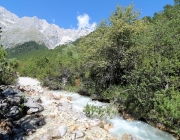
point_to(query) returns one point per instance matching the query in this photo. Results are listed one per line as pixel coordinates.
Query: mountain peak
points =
(2, 8)
(20, 30)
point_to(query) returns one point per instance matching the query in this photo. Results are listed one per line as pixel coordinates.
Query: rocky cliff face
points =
(20, 30)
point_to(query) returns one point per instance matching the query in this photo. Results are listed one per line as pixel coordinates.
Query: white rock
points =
(73, 136)
(59, 132)
(79, 134)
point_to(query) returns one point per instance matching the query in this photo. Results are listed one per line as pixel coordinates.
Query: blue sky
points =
(74, 13)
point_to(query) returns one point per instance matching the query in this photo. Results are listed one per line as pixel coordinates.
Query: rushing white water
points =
(138, 129)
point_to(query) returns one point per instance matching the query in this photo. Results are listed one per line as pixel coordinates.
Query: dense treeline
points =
(136, 62)
(133, 62)
(52, 65)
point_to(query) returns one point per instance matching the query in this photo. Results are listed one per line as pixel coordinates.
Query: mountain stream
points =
(140, 130)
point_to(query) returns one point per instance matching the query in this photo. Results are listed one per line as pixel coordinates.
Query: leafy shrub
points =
(100, 112)
(7, 68)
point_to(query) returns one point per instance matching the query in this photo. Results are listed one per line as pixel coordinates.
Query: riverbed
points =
(138, 129)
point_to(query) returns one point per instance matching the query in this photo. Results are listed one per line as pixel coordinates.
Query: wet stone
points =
(8, 92)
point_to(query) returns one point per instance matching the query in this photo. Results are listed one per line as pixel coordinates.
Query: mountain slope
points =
(27, 50)
(20, 30)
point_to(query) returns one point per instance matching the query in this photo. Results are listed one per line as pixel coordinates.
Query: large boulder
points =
(13, 113)
(32, 105)
(4, 106)
(17, 131)
(30, 123)
(19, 93)
(14, 121)
(14, 101)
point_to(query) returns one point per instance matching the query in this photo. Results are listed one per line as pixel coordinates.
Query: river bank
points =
(65, 120)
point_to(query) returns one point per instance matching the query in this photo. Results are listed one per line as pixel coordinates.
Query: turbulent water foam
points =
(139, 129)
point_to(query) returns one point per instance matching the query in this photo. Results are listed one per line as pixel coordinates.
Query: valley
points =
(130, 62)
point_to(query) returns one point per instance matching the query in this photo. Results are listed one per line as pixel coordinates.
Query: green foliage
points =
(7, 68)
(99, 112)
(27, 50)
(131, 61)
(3, 54)
(155, 80)
(106, 52)
(53, 65)
(176, 2)
(139, 57)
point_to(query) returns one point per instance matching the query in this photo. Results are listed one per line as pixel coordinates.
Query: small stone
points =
(74, 127)
(56, 96)
(128, 137)
(107, 127)
(73, 136)
(79, 134)
(86, 125)
(62, 129)
(69, 98)
(37, 99)
(97, 123)
(32, 110)
(60, 132)
(36, 138)
(46, 137)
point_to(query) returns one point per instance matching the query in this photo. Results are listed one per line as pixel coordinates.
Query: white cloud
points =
(83, 22)
(53, 20)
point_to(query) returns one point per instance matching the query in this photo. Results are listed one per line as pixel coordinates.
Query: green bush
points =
(100, 112)
(8, 68)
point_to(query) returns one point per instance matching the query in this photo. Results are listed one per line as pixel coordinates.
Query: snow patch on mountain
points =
(17, 30)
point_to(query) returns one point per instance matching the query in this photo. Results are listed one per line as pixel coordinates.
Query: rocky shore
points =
(66, 123)
(19, 114)
(30, 113)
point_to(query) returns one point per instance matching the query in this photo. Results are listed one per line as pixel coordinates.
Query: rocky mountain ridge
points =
(20, 30)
